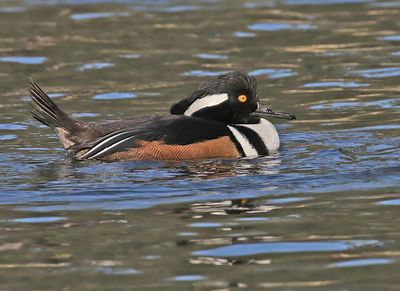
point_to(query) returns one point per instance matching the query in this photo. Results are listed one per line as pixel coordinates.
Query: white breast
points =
(264, 129)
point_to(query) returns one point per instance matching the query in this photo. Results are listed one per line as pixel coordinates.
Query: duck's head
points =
(230, 98)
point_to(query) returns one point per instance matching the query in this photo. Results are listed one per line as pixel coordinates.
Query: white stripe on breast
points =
(248, 149)
(267, 132)
(207, 101)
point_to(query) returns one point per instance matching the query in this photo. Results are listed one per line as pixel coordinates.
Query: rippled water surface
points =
(323, 213)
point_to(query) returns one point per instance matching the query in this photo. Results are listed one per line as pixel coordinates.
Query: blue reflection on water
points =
(238, 250)
(117, 271)
(386, 4)
(7, 136)
(130, 56)
(95, 66)
(85, 114)
(274, 73)
(44, 219)
(287, 200)
(253, 5)
(386, 103)
(335, 84)
(378, 73)
(203, 73)
(188, 278)
(361, 262)
(181, 8)
(115, 95)
(206, 224)
(390, 202)
(12, 126)
(252, 219)
(12, 9)
(211, 56)
(95, 15)
(390, 38)
(24, 60)
(150, 7)
(276, 26)
(244, 34)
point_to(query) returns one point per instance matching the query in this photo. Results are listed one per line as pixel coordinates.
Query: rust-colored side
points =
(221, 147)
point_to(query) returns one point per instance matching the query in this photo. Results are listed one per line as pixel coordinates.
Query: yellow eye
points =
(242, 98)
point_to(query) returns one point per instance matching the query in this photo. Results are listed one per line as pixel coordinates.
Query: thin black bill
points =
(266, 112)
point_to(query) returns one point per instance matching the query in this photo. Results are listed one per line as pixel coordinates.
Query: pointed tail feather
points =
(46, 111)
(69, 130)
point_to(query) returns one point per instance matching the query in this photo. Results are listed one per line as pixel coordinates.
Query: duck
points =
(221, 119)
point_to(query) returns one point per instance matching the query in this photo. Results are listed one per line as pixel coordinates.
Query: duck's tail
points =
(43, 109)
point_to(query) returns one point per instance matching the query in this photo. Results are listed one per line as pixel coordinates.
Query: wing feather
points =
(110, 143)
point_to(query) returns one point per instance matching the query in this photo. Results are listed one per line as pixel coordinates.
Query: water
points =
(321, 214)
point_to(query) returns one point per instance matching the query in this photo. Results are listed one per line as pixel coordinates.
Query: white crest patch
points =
(267, 132)
(207, 101)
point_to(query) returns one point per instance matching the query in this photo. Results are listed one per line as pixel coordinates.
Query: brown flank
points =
(221, 147)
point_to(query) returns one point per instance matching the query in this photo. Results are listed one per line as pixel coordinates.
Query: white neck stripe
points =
(207, 101)
(267, 132)
(248, 149)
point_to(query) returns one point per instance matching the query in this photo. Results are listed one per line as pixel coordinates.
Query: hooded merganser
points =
(220, 119)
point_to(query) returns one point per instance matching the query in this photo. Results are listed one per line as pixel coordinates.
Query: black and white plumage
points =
(217, 99)
(220, 119)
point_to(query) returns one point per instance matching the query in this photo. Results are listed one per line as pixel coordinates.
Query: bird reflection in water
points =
(214, 169)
